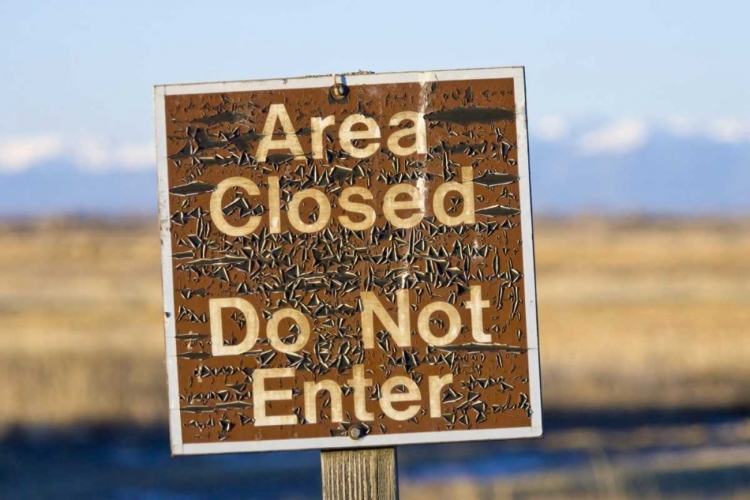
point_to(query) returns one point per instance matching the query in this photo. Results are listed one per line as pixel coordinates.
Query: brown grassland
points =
(633, 313)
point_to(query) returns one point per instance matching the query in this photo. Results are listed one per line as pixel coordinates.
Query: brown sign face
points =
(344, 271)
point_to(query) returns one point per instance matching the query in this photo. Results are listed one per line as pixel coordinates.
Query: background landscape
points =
(643, 328)
(640, 159)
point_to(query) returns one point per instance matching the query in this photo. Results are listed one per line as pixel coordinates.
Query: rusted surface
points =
(212, 137)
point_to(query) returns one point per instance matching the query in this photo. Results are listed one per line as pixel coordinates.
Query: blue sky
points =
(605, 80)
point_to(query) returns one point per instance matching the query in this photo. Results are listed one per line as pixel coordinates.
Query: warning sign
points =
(348, 261)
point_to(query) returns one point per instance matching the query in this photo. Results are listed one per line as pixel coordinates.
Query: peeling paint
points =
(322, 274)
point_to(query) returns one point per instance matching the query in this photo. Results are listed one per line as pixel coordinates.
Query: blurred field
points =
(633, 313)
(644, 328)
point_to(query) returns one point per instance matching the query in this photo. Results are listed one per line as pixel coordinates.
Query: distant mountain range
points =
(55, 188)
(666, 175)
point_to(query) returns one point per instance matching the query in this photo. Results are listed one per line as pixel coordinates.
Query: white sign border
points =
(344, 442)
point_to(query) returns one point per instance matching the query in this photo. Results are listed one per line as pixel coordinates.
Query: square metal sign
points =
(348, 261)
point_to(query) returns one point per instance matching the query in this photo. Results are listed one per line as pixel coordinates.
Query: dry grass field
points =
(633, 313)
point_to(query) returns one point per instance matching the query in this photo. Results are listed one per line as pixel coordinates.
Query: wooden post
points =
(368, 474)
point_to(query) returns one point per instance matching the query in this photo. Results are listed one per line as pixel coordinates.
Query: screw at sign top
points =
(339, 90)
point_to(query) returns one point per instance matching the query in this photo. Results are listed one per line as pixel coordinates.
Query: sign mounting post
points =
(364, 473)
(348, 268)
